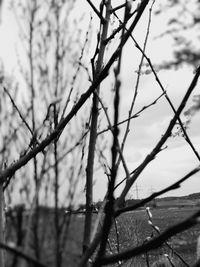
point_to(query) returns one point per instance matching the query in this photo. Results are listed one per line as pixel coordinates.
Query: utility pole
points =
(137, 189)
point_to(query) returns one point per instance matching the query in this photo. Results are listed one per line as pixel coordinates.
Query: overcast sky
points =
(175, 161)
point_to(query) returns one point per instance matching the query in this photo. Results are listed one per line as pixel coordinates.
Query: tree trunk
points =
(93, 135)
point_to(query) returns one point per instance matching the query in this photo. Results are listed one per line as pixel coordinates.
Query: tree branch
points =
(159, 145)
(159, 193)
(22, 255)
(96, 11)
(103, 74)
(153, 244)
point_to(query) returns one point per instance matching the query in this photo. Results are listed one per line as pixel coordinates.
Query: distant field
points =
(178, 202)
(133, 229)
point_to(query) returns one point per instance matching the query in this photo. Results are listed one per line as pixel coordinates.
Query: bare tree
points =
(56, 131)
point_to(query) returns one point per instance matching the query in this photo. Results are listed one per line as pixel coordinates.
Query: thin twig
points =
(121, 26)
(163, 139)
(118, 7)
(72, 84)
(109, 209)
(136, 115)
(84, 97)
(111, 128)
(21, 254)
(157, 230)
(137, 81)
(18, 111)
(168, 99)
(161, 86)
(96, 11)
(93, 133)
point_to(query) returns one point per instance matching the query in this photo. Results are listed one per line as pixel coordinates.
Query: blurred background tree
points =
(184, 27)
